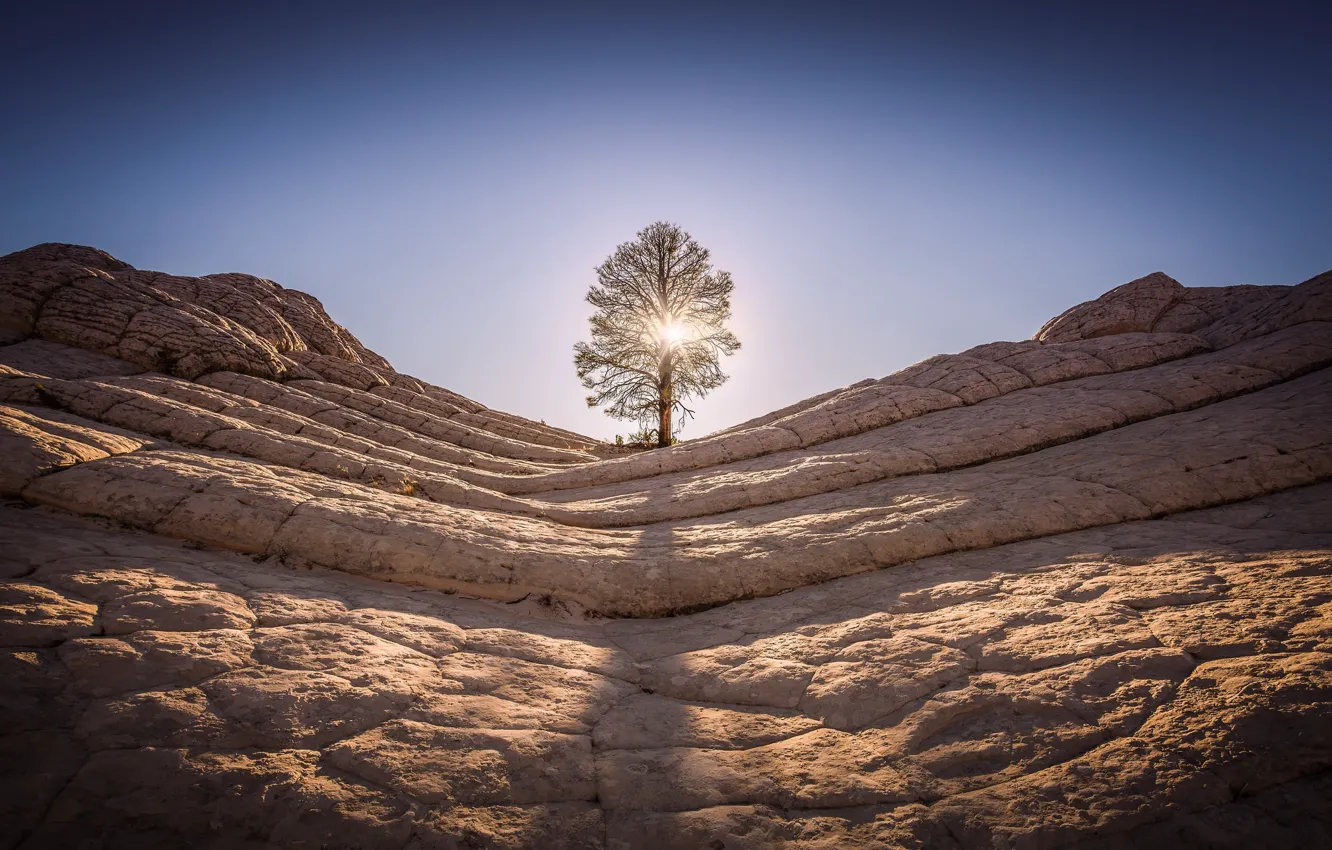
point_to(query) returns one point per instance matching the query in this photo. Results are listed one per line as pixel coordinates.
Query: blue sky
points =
(884, 181)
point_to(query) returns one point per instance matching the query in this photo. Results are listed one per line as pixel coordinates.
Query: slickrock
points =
(259, 589)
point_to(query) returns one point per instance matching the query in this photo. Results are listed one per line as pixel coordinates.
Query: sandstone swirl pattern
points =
(1072, 591)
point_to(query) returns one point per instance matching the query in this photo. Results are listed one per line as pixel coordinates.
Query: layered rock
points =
(1072, 591)
(1155, 681)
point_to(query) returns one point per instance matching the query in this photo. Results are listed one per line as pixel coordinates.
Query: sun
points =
(673, 332)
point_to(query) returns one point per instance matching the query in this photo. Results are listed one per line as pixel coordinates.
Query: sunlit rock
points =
(259, 589)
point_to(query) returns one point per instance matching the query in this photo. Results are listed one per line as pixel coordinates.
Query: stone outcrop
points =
(259, 589)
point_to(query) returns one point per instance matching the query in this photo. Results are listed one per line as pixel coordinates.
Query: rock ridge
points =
(258, 589)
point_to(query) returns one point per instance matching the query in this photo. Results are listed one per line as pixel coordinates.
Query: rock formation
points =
(260, 589)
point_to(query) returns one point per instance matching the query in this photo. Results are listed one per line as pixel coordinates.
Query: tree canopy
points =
(658, 332)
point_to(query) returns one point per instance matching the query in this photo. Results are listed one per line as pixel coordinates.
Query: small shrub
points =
(645, 439)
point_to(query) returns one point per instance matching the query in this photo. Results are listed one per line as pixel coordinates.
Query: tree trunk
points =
(665, 401)
(664, 424)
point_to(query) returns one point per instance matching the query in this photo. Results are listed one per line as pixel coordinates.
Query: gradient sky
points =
(884, 181)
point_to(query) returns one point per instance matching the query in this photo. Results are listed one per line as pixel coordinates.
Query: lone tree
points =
(657, 334)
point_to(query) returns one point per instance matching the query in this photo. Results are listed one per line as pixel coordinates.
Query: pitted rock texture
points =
(1155, 683)
(1070, 591)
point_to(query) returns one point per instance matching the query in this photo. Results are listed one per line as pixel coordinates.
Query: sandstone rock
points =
(557, 826)
(469, 766)
(603, 658)
(28, 452)
(482, 711)
(998, 727)
(1072, 591)
(157, 717)
(36, 695)
(105, 666)
(1058, 636)
(52, 360)
(873, 678)
(277, 708)
(730, 675)
(171, 797)
(32, 615)
(185, 326)
(175, 610)
(646, 721)
(986, 727)
(103, 578)
(430, 635)
(34, 767)
(27, 278)
(279, 608)
(820, 769)
(576, 694)
(1121, 785)
(1290, 815)
(1133, 307)
(389, 669)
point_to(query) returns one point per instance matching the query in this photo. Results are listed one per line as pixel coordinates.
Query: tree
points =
(658, 331)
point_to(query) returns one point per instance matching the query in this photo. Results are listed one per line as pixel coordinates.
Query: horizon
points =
(429, 168)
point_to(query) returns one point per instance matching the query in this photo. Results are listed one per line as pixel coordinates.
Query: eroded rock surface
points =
(259, 589)
(1136, 682)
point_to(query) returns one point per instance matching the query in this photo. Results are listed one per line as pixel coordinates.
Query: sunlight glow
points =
(673, 333)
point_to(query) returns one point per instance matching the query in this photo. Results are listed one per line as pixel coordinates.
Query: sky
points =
(884, 181)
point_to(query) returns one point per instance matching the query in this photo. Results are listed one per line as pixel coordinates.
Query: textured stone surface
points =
(257, 589)
(1121, 684)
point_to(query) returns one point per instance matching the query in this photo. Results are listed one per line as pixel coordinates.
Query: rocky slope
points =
(262, 590)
